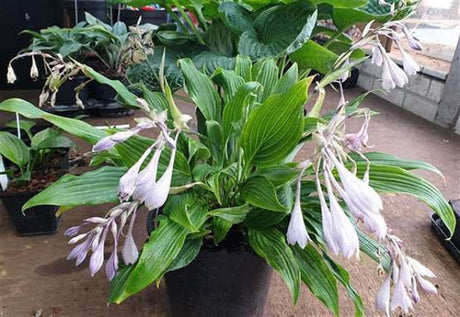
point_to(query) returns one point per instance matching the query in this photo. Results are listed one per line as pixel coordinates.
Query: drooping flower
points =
(409, 65)
(382, 300)
(10, 75)
(129, 250)
(355, 141)
(297, 232)
(33, 69)
(400, 298)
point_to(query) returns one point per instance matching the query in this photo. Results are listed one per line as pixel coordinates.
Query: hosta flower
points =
(355, 141)
(33, 69)
(10, 75)
(409, 65)
(297, 232)
(382, 300)
(392, 75)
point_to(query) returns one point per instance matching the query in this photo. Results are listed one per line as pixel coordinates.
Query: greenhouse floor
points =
(36, 279)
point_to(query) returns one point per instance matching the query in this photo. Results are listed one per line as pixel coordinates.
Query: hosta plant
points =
(238, 172)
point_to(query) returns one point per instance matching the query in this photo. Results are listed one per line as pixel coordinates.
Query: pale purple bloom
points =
(376, 224)
(377, 58)
(129, 251)
(79, 252)
(72, 231)
(414, 291)
(419, 268)
(355, 141)
(112, 266)
(297, 232)
(400, 297)
(409, 65)
(392, 75)
(97, 258)
(426, 285)
(382, 300)
(326, 220)
(414, 43)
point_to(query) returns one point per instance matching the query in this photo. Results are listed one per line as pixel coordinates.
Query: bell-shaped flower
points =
(392, 74)
(111, 267)
(297, 232)
(382, 300)
(355, 141)
(414, 42)
(326, 219)
(97, 258)
(400, 297)
(426, 285)
(363, 197)
(129, 250)
(414, 291)
(10, 75)
(73, 231)
(375, 223)
(127, 183)
(419, 268)
(33, 69)
(376, 58)
(79, 252)
(409, 65)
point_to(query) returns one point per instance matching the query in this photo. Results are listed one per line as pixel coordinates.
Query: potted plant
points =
(30, 169)
(229, 199)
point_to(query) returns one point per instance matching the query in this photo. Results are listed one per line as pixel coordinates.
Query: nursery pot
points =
(157, 17)
(220, 283)
(66, 93)
(102, 101)
(34, 221)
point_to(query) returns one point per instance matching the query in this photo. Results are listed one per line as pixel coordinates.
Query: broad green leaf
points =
(186, 209)
(208, 61)
(317, 276)
(342, 3)
(197, 150)
(231, 214)
(91, 188)
(201, 90)
(188, 253)
(261, 218)
(266, 73)
(279, 174)
(392, 179)
(218, 38)
(314, 56)
(287, 80)
(155, 99)
(215, 141)
(220, 228)
(236, 17)
(343, 277)
(76, 127)
(243, 67)
(274, 129)
(50, 138)
(229, 80)
(25, 125)
(240, 103)
(270, 244)
(164, 245)
(14, 149)
(260, 192)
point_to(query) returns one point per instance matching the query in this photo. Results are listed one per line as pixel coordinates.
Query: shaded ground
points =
(34, 274)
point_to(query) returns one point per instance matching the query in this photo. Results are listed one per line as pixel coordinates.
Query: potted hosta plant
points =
(29, 170)
(229, 201)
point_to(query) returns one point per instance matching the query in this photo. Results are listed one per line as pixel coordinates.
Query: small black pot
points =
(66, 93)
(34, 221)
(441, 230)
(220, 283)
(102, 102)
(157, 17)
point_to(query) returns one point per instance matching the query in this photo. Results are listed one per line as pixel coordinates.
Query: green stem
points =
(332, 39)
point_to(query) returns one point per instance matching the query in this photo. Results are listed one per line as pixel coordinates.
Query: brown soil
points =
(42, 177)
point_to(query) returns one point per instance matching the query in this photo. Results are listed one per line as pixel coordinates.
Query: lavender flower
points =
(382, 300)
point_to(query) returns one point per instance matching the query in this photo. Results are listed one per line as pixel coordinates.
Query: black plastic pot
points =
(102, 102)
(438, 226)
(34, 221)
(157, 17)
(66, 93)
(220, 283)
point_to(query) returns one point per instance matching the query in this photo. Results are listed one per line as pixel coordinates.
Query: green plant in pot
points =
(235, 197)
(27, 171)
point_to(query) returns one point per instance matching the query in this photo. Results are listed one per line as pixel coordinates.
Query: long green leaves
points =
(271, 245)
(14, 149)
(91, 188)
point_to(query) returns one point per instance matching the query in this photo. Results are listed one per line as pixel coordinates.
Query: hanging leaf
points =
(14, 149)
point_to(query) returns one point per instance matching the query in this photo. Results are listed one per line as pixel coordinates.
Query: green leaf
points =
(274, 128)
(218, 38)
(279, 174)
(201, 90)
(343, 277)
(270, 244)
(243, 67)
(392, 179)
(342, 3)
(197, 150)
(14, 149)
(242, 101)
(50, 138)
(25, 125)
(188, 253)
(236, 17)
(314, 56)
(215, 141)
(317, 276)
(266, 73)
(220, 228)
(91, 188)
(231, 214)
(229, 80)
(164, 245)
(260, 192)
(76, 127)
(287, 80)
(208, 61)
(187, 210)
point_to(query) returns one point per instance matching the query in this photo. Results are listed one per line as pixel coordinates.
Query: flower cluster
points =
(392, 74)
(406, 274)
(140, 185)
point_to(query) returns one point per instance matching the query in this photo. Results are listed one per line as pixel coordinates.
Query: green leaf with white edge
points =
(76, 127)
(242, 101)
(188, 253)
(50, 138)
(164, 245)
(266, 73)
(270, 244)
(287, 80)
(90, 188)
(231, 214)
(127, 97)
(14, 149)
(343, 277)
(392, 179)
(25, 125)
(220, 228)
(317, 276)
(379, 158)
(201, 90)
(186, 209)
(314, 56)
(260, 192)
(274, 129)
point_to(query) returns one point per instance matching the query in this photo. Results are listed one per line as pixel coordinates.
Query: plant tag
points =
(3, 177)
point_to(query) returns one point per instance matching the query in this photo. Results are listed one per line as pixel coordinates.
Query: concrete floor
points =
(34, 275)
